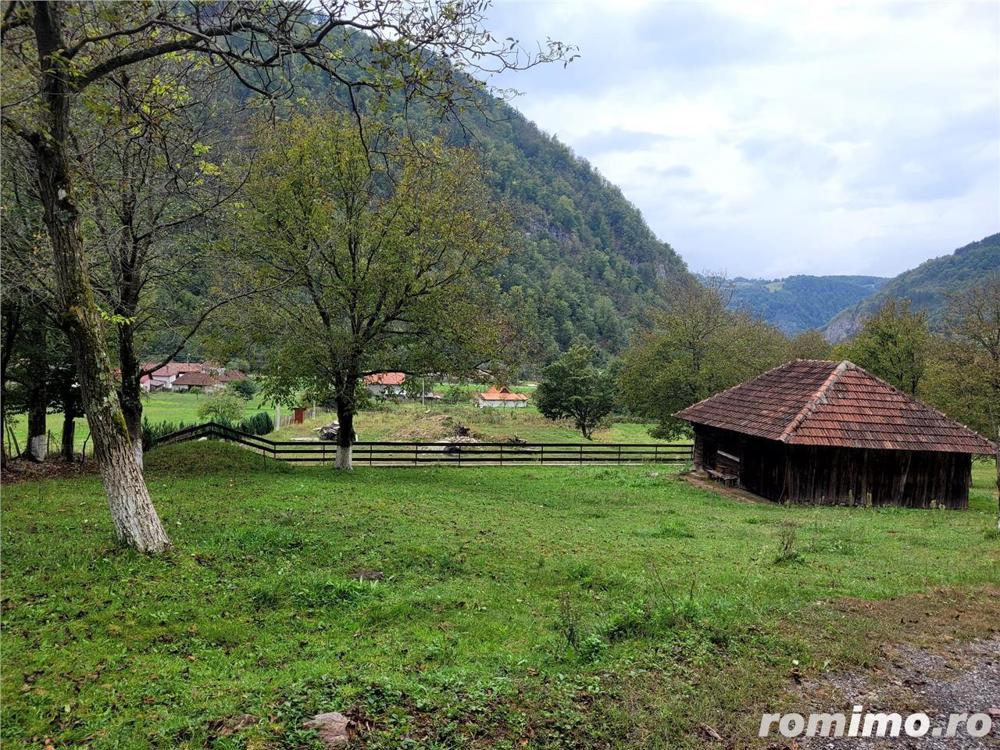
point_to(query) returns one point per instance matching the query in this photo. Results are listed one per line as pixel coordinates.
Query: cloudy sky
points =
(769, 138)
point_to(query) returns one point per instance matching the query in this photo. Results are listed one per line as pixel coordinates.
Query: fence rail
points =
(393, 453)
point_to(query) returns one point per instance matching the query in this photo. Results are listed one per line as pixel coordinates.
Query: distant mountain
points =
(927, 286)
(800, 303)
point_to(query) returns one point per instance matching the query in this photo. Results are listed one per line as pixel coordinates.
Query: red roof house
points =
(204, 380)
(832, 433)
(501, 397)
(385, 383)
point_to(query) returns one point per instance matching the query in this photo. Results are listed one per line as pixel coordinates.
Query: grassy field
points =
(388, 421)
(157, 407)
(413, 421)
(516, 607)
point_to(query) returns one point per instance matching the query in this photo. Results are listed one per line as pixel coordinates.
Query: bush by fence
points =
(258, 424)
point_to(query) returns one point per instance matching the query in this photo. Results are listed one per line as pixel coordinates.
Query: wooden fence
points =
(393, 453)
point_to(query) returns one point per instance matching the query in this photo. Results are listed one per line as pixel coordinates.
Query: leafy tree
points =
(810, 345)
(695, 348)
(54, 52)
(893, 345)
(245, 389)
(222, 406)
(372, 265)
(963, 372)
(573, 388)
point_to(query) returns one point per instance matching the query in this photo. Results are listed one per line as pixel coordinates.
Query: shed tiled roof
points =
(196, 379)
(502, 394)
(815, 402)
(385, 378)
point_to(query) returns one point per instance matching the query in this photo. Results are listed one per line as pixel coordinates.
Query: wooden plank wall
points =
(841, 476)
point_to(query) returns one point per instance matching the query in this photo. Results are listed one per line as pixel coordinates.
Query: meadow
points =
(411, 420)
(554, 607)
(404, 420)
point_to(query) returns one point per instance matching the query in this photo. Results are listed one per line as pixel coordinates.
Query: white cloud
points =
(768, 138)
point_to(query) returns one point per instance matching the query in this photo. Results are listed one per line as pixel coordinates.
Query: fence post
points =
(416, 449)
(656, 454)
(581, 454)
(501, 454)
(541, 455)
(619, 453)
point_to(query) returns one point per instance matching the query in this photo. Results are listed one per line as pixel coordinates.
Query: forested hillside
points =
(927, 286)
(801, 303)
(583, 261)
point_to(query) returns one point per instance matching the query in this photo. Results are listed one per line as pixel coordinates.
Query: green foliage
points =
(222, 406)
(153, 431)
(696, 348)
(892, 345)
(810, 345)
(246, 389)
(963, 370)
(573, 388)
(373, 264)
(259, 424)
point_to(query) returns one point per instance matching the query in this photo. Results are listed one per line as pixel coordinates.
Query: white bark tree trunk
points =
(344, 458)
(38, 447)
(135, 519)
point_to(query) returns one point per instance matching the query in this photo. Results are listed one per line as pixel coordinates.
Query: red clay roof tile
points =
(815, 402)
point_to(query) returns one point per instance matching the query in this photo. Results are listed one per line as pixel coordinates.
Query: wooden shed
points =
(818, 432)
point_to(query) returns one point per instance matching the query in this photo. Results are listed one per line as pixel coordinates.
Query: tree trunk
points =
(11, 329)
(345, 436)
(68, 437)
(38, 403)
(135, 519)
(345, 419)
(131, 390)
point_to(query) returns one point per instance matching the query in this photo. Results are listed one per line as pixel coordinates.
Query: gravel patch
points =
(958, 678)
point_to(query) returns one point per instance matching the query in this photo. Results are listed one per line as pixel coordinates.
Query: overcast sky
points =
(766, 139)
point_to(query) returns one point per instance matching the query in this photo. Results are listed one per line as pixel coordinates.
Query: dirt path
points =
(958, 678)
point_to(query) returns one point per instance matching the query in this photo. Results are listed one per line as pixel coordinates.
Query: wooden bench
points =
(729, 480)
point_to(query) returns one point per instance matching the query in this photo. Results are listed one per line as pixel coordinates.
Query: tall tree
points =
(695, 347)
(372, 265)
(54, 51)
(572, 387)
(963, 373)
(893, 345)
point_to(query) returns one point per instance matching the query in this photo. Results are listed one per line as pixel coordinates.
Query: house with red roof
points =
(831, 433)
(385, 384)
(501, 398)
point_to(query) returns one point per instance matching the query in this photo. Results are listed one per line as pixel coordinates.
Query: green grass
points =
(413, 421)
(562, 607)
(157, 407)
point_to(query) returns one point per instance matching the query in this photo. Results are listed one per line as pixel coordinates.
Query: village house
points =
(501, 398)
(166, 377)
(385, 384)
(831, 433)
(163, 377)
(199, 381)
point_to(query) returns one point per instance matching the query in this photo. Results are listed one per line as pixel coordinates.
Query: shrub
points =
(245, 389)
(151, 432)
(787, 553)
(223, 407)
(259, 424)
